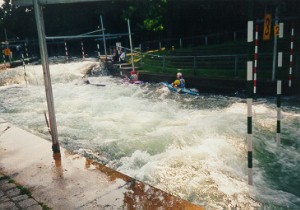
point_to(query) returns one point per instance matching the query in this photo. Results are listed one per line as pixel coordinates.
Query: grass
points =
(214, 67)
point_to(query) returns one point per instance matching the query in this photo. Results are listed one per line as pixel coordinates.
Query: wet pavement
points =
(71, 181)
(13, 196)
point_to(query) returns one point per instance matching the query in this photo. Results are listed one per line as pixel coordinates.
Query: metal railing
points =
(232, 65)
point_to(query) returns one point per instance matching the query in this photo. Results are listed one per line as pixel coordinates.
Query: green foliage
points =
(149, 15)
(150, 20)
(129, 12)
(153, 24)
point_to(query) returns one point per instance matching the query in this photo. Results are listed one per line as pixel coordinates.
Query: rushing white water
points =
(193, 147)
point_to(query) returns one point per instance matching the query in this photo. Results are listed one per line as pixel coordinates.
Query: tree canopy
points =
(152, 19)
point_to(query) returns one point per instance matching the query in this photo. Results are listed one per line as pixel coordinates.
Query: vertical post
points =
(164, 62)
(206, 40)
(275, 46)
(250, 91)
(236, 62)
(130, 40)
(67, 55)
(25, 76)
(7, 44)
(103, 34)
(255, 58)
(98, 48)
(159, 45)
(26, 51)
(194, 65)
(47, 79)
(82, 50)
(180, 43)
(279, 84)
(291, 56)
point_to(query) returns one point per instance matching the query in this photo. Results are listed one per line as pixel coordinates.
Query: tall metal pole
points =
(250, 91)
(130, 40)
(279, 84)
(104, 41)
(44, 58)
(275, 46)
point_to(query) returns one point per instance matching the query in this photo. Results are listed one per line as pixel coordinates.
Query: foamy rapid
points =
(193, 147)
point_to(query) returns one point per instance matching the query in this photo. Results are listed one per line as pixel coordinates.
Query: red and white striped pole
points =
(291, 56)
(67, 55)
(82, 49)
(255, 59)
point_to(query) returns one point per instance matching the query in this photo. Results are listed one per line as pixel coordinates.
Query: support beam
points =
(45, 64)
(44, 2)
(103, 36)
(85, 36)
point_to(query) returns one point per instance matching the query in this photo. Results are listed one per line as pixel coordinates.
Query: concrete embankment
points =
(215, 85)
(72, 181)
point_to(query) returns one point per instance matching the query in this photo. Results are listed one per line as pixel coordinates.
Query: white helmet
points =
(179, 74)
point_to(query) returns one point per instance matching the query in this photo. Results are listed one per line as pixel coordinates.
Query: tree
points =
(147, 17)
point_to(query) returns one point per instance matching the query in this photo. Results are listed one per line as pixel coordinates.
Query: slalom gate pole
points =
(255, 59)
(291, 56)
(130, 40)
(25, 75)
(67, 54)
(98, 48)
(279, 83)
(250, 91)
(26, 52)
(82, 50)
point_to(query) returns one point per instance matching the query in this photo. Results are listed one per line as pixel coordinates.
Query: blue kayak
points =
(193, 92)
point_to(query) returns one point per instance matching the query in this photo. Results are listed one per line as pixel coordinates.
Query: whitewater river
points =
(193, 147)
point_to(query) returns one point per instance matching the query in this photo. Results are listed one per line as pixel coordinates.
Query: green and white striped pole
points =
(279, 83)
(250, 91)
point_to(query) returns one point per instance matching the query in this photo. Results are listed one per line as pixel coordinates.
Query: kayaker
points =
(180, 82)
(133, 76)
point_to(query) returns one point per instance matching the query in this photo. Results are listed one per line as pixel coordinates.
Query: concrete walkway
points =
(72, 181)
(12, 196)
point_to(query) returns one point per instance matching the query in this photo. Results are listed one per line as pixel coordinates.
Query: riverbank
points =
(72, 181)
(215, 85)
